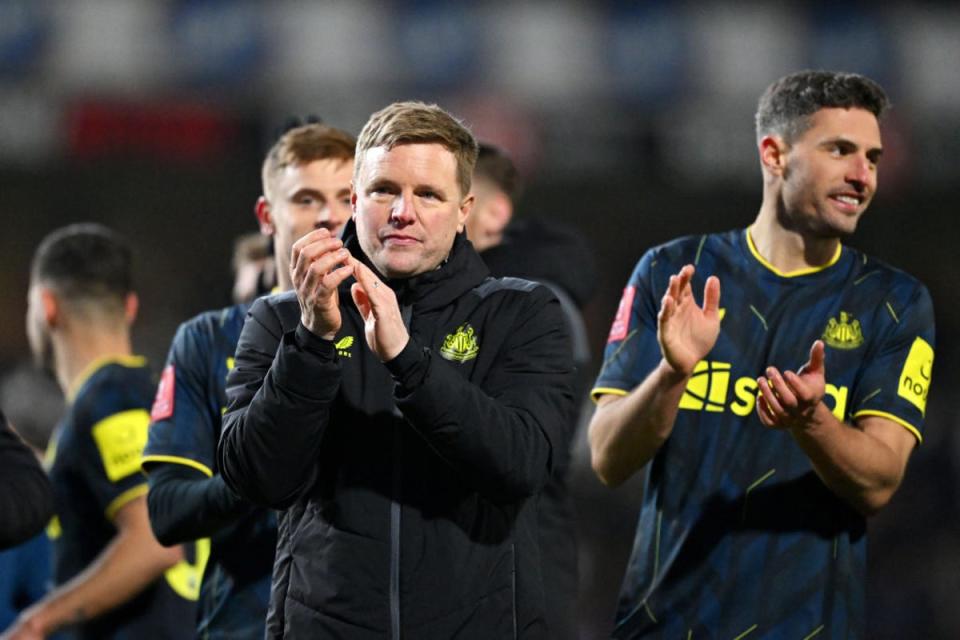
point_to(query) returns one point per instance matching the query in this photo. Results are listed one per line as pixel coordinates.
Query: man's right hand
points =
(318, 264)
(685, 331)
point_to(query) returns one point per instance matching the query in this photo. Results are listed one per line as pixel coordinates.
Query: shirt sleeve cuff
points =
(312, 343)
(410, 366)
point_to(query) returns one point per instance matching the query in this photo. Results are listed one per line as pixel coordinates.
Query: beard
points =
(812, 225)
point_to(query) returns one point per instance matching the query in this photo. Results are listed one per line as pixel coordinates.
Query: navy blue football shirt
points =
(185, 430)
(737, 536)
(94, 463)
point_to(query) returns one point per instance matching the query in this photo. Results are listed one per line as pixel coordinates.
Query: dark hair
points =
(495, 165)
(85, 261)
(787, 104)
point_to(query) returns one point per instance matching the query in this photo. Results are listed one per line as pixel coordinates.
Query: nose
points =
(323, 217)
(402, 212)
(333, 216)
(861, 172)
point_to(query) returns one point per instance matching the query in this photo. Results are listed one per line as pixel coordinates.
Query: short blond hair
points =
(420, 123)
(303, 145)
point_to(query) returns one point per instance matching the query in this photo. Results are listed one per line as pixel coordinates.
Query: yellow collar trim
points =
(790, 274)
(96, 365)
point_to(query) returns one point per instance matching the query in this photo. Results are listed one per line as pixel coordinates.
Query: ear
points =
(502, 207)
(262, 210)
(130, 307)
(773, 154)
(466, 206)
(50, 307)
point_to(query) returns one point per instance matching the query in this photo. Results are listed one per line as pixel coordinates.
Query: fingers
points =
(327, 252)
(314, 263)
(317, 235)
(817, 358)
(806, 394)
(667, 307)
(765, 413)
(784, 394)
(679, 287)
(322, 274)
(335, 278)
(377, 292)
(711, 295)
(683, 281)
(767, 394)
(361, 300)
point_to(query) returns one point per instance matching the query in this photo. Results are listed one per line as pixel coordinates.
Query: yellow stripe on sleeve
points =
(187, 462)
(124, 498)
(889, 416)
(606, 391)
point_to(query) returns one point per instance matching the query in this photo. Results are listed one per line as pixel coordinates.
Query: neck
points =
(78, 346)
(788, 250)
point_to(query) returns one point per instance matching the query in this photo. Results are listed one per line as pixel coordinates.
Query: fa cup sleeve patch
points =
(915, 377)
(163, 402)
(621, 322)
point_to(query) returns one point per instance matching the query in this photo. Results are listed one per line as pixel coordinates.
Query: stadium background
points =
(632, 122)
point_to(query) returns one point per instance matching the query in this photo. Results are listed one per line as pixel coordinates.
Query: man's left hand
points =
(790, 400)
(383, 325)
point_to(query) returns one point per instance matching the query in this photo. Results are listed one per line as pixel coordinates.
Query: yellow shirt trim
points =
(187, 462)
(790, 274)
(54, 529)
(606, 391)
(889, 416)
(185, 578)
(124, 498)
(96, 365)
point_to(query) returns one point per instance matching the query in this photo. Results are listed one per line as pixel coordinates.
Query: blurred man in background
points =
(306, 186)
(547, 252)
(759, 472)
(114, 580)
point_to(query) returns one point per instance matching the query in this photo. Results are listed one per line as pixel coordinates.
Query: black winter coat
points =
(408, 488)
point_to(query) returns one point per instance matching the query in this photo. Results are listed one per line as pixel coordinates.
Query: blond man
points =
(306, 186)
(400, 408)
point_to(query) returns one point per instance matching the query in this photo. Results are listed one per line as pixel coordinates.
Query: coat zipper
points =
(406, 312)
(395, 536)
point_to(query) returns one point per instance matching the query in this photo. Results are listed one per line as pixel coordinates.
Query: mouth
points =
(399, 240)
(848, 202)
